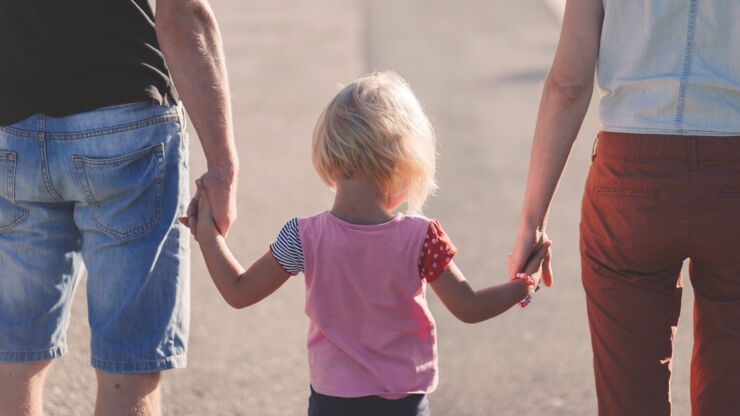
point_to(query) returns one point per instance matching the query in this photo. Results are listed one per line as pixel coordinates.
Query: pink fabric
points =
(371, 331)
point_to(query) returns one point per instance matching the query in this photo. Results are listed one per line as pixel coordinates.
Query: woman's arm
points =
(472, 306)
(238, 287)
(565, 98)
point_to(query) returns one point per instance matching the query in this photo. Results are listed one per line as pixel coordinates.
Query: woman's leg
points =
(715, 275)
(632, 248)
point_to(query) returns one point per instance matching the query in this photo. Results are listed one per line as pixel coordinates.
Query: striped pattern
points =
(287, 249)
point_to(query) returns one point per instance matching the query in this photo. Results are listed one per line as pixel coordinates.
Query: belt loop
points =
(593, 148)
(693, 161)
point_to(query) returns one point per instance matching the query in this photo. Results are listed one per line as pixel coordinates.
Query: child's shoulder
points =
(416, 218)
(321, 219)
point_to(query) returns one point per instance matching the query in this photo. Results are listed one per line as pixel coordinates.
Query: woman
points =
(664, 186)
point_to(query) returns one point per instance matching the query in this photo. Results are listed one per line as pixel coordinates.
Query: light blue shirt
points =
(670, 67)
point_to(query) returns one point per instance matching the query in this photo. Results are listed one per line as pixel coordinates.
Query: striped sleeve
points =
(287, 248)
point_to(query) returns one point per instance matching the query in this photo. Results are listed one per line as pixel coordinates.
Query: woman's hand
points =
(528, 246)
(538, 262)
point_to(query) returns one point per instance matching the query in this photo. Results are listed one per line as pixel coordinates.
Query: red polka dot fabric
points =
(436, 253)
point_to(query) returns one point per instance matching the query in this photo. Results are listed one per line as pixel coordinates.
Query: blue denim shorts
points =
(99, 191)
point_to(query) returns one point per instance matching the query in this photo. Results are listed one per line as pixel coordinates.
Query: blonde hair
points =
(375, 127)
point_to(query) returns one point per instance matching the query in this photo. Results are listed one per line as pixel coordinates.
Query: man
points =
(93, 171)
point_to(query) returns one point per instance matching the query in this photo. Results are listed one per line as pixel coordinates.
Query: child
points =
(371, 341)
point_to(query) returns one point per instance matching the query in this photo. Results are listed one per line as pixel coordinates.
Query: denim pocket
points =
(10, 213)
(125, 192)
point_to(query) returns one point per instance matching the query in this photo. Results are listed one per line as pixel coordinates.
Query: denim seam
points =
(158, 360)
(22, 356)
(10, 190)
(18, 220)
(156, 148)
(688, 53)
(56, 347)
(132, 366)
(45, 163)
(91, 133)
(114, 130)
(10, 174)
(22, 133)
(81, 174)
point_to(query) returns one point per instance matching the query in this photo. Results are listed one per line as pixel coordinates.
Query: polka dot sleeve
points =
(436, 253)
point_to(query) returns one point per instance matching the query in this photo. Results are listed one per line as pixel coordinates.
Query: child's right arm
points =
(472, 306)
(238, 287)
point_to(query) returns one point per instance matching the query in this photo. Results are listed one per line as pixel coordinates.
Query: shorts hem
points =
(152, 366)
(28, 356)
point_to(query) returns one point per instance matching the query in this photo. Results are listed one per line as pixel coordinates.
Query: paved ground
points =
(477, 66)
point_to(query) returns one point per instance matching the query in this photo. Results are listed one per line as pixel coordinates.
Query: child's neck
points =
(359, 202)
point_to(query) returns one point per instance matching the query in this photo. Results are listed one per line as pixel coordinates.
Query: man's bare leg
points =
(128, 394)
(22, 388)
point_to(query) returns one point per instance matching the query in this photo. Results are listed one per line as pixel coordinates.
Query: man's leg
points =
(128, 394)
(134, 181)
(39, 268)
(21, 388)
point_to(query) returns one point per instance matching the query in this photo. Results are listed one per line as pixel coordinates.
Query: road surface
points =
(477, 66)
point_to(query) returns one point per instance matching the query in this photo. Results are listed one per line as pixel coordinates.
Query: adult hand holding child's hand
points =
(527, 247)
(537, 262)
(205, 226)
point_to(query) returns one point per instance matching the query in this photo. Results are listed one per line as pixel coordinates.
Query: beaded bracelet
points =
(530, 288)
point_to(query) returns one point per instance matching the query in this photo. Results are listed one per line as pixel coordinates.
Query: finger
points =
(192, 215)
(184, 221)
(547, 270)
(535, 259)
(201, 186)
(220, 214)
(516, 260)
(222, 224)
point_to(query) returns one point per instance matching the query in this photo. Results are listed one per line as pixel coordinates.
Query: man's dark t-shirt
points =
(61, 57)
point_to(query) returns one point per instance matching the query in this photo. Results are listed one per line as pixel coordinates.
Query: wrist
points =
(225, 172)
(530, 225)
(225, 165)
(528, 287)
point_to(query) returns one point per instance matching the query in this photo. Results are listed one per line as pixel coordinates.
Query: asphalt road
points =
(477, 66)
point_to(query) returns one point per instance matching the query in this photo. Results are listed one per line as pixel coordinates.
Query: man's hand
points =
(222, 197)
(221, 191)
(205, 223)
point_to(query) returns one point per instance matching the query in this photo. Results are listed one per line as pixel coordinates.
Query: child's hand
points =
(205, 225)
(533, 267)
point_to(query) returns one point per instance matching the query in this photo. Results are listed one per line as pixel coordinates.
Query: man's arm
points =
(191, 43)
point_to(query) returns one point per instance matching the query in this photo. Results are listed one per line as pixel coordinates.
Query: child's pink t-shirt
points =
(371, 331)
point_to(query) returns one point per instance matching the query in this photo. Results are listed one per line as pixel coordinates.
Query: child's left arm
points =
(472, 306)
(238, 287)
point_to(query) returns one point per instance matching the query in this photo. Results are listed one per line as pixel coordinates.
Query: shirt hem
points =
(383, 394)
(668, 132)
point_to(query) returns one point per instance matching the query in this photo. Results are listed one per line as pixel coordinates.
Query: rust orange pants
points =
(652, 201)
